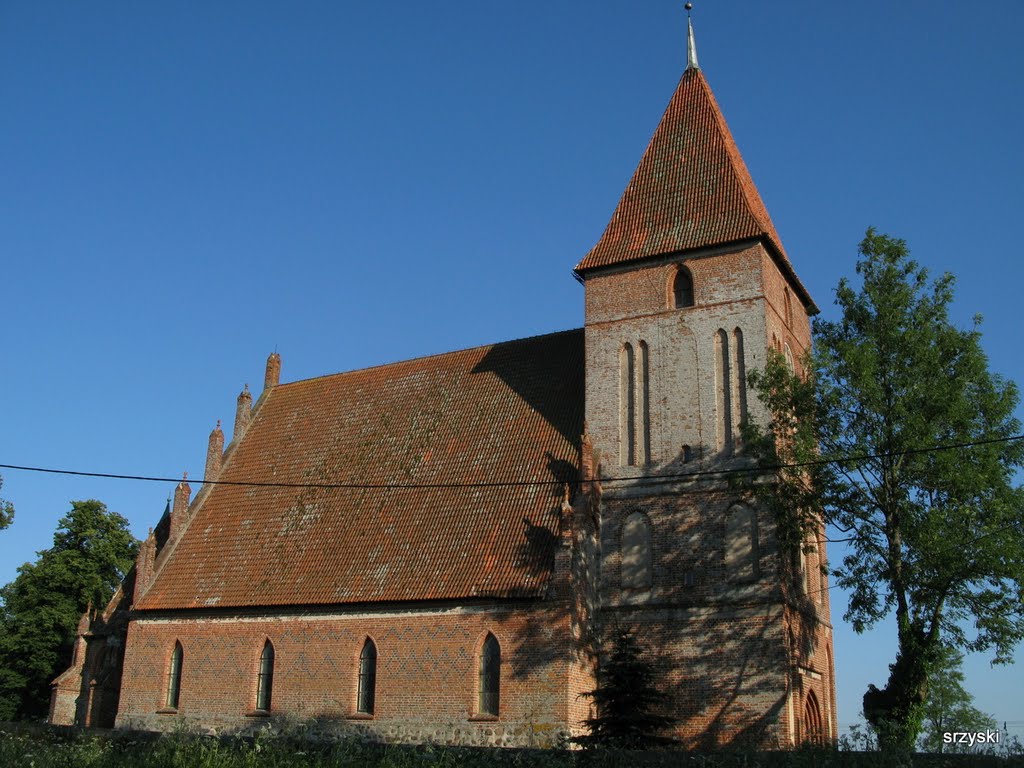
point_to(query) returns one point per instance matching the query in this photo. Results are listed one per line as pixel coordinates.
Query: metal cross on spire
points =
(691, 46)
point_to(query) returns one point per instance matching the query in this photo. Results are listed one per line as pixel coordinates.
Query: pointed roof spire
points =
(690, 191)
(691, 45)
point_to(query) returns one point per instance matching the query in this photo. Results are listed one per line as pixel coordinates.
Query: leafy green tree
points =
(859, 738)
(6, 510)
(950, 708)
(92, 549)
(934, 535)
(625, 697)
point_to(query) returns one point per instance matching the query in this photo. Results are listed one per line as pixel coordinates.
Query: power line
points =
(658, 478)
(531, 483)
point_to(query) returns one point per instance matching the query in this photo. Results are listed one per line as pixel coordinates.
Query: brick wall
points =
(730, 639)
(427, 668)
(633, 306)
(721, 641)
(797, 333)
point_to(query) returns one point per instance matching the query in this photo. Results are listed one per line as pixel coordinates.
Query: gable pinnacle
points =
(691, 45)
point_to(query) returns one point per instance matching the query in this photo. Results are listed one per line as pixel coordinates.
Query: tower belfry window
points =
(682, 288)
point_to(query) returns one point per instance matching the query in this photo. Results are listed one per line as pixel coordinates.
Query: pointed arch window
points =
(265, 678)
(827, 718)
(367, 690)
(723, 394)
(627, 406)
(813, 731)
(174, 677)
(682, 288)
(740, 385)
(489, 688)
(644, 392)
(800, 567)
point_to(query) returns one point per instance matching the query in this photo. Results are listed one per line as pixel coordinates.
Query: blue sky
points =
(188, 186)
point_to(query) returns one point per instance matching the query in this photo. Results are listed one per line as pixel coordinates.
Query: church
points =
(438, 549)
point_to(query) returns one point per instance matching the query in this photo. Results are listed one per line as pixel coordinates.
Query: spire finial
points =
(691, 46)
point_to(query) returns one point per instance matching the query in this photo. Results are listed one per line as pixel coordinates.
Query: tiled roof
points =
(691, 190)
(507, 412)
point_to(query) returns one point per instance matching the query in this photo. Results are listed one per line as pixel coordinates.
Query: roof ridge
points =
(419, 358)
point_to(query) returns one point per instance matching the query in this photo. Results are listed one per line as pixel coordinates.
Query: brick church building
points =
(430, 550)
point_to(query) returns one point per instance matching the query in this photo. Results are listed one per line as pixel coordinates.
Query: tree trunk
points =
(896, 712)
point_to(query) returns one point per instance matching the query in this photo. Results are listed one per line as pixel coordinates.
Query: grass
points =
(67, 748)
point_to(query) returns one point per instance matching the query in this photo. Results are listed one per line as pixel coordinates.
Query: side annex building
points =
(438, 604)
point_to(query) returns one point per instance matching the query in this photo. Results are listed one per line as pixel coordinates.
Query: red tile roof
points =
(691, 190)
(506, 412)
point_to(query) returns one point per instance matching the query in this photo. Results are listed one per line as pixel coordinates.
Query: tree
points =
(625, 697)
(6, 510)
(896, 434)
(92, 550)
(859, 738)
(950, 708)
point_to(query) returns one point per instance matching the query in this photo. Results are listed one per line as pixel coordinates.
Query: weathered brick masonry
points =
(426, 672)
(386, 585)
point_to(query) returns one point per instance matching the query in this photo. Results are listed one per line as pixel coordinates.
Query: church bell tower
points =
(686, 291)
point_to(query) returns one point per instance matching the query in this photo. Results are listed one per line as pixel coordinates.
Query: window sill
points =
(167, 711)
(359, 716)
(483, 718)
(258, 713)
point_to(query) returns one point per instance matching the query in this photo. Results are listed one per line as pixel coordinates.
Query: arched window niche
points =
(366, 692)
(174, 677)
(813, 731)
(723, 394)
(265, 678)
(627, 406)
(681, 289)
(644, 392)
(741, 543)
(637, 570)
(489, 678)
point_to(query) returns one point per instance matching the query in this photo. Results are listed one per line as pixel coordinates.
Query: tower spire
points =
(691, 46)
